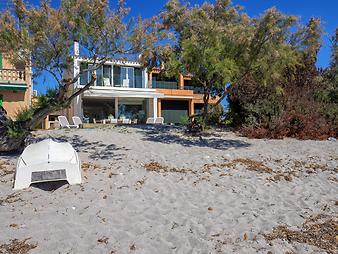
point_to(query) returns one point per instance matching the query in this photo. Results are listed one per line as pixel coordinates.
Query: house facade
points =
(15, 86)
(124, 89)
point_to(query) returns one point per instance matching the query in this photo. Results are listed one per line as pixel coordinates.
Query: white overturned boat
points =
(47, 161)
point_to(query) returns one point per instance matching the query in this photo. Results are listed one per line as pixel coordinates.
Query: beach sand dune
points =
(155, 190)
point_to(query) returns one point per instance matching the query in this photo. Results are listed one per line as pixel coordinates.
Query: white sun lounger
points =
(150, 120)
(159, 120)
(77, 121)
(65, 124)
(113, 120)
(126, 121)
(47, 161)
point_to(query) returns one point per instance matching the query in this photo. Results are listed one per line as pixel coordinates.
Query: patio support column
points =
(181, 82)
(116, 107)
(150, 80)
(155, 107)
(159, 107)
(191, 108)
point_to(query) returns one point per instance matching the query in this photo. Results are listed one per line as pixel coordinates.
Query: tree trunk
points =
(9, 144)
(206, 97)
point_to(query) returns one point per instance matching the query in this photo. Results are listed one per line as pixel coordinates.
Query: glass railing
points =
(196, 89)
(165, 84)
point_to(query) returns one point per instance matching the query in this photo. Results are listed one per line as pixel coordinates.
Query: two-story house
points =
(126, 89)
(15, 86)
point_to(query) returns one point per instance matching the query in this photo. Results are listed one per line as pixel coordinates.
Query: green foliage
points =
(184, 120)
(218, 44)
(47, 99)
(14, 130)
(42, 37)
(24, 115)
(216, 115)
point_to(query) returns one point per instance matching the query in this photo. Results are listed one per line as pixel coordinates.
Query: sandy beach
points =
(156, 190)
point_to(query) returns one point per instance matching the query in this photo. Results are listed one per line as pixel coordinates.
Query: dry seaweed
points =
(319, 231)
(17, 247)
(249, 164)
(253, 165)
(287, 176)
(5, 168)
(311, 167)
(12, 198)
(89, 166)
(103, 239)
(157, 167)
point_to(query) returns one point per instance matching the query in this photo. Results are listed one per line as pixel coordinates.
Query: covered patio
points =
(100, 103)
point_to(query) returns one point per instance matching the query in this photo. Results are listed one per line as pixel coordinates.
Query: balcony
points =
(13, 80)
(196, 89)
(165, 84)
(12, 76)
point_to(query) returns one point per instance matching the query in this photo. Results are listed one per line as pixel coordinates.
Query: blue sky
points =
(326, 10)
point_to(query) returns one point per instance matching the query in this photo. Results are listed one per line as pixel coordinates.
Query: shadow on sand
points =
(175, 135)
(95, 149)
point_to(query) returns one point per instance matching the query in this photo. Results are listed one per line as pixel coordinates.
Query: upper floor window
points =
(84, 77)
(138, 78)
(104, 76)
(109, 75)
(127, 77)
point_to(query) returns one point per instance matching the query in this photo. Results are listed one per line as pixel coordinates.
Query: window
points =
(84, 77)
(127, 77)
(107, 75)
(117, 76)
(138, 78)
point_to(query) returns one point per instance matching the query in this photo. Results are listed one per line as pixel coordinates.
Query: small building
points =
(15, 86)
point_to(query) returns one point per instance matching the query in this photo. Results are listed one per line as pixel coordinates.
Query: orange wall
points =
(14, 101)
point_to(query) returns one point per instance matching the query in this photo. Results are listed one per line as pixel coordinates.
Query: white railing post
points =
(12, 75)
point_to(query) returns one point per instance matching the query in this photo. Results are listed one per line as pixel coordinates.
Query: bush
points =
(301, 110)
(215, 117)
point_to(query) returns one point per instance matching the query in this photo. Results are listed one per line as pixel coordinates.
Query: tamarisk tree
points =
(42, 37)
(218, 44)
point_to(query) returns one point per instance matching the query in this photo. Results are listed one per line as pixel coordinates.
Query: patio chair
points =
(159, 120)
(113, 120)
(65, 124)
(126, 121)
(150, 120)
(77, 121)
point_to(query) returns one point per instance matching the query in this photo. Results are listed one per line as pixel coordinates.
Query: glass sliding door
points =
(107, 75)
(131, 77)
(117, 76)
(84, 77)
(127, 77)
(99, 77)
(103, 75)
(124, 78)
(138, 78)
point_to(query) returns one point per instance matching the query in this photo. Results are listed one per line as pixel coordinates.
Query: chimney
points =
(76, 48)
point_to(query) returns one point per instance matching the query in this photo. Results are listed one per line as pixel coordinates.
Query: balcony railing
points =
(12, 75)
(196, 89)
(165, 84)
